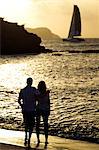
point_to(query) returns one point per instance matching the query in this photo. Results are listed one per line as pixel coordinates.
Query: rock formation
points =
(14, 39)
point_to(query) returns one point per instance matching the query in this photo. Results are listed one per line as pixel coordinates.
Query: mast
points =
(75, 27)
(0, 32)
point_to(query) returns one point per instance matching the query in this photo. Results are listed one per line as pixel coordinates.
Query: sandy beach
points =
(13, 140)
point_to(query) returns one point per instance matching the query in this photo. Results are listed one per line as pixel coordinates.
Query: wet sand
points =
(13, 140)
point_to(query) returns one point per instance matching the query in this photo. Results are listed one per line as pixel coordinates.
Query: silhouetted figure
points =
(27, 101)
(43, 110)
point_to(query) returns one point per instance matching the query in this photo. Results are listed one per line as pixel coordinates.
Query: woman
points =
(43, 110)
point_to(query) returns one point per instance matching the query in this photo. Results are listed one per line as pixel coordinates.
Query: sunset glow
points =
(54, 14)
(15, 10)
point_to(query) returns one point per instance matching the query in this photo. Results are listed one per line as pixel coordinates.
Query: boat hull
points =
(74, 40)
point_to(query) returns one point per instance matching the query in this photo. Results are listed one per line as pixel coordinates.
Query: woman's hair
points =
(42, 87)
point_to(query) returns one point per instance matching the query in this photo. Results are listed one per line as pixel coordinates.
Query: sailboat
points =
(75, 27)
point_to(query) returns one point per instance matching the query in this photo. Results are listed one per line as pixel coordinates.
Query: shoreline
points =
(14, 139)
(63, 136)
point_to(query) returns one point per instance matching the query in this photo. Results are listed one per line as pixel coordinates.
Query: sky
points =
(53, 14)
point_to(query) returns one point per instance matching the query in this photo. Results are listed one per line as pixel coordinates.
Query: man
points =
(27, 101)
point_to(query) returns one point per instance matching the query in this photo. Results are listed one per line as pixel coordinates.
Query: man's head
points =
(29, 81)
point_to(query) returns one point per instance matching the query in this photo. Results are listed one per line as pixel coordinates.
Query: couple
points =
(35, 103)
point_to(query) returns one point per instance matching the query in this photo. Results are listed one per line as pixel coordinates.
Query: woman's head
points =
(42, 87)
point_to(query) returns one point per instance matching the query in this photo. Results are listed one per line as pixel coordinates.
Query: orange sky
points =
(54, 14)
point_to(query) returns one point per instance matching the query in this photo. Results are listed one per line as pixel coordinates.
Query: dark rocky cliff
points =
(14, 39)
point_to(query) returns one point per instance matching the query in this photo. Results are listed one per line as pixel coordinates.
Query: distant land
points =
(44, 33)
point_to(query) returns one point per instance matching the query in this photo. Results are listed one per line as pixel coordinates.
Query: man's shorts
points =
(29, 118)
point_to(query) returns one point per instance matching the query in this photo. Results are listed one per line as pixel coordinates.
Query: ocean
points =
(73, 81)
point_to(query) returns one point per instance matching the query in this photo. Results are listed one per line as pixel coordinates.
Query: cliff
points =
(14, 39)
(44, 33)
